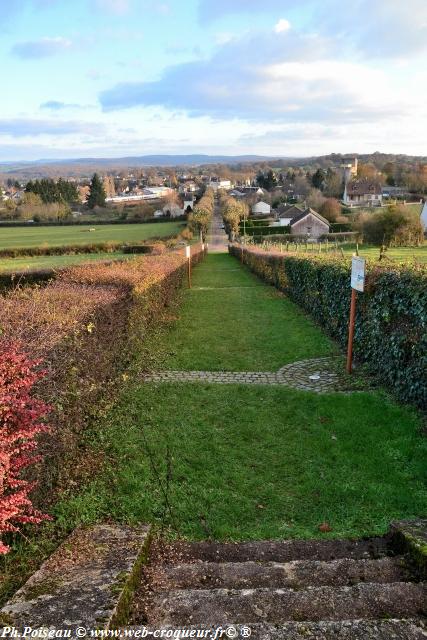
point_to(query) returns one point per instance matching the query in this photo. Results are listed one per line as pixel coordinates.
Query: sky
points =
(113, 78)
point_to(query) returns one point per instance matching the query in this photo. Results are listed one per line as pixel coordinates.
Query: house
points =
(261, 208)
(286, 213)
(235, 193)
(363, 192)
(424, 216)
(156, 193)
(309, 223)
(188, 202)
(188, 187)
(216, 184)
(173, 211)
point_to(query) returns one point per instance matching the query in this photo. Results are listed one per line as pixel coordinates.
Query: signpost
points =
(188, 256)
(358, 266)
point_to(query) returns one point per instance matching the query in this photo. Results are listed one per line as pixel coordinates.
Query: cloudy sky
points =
(274, 77)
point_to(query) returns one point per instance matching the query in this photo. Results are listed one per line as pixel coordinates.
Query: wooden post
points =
(351, 331)
(241, 254)
(188, 254)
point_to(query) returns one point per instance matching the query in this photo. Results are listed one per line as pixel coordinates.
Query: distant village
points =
(312, 201)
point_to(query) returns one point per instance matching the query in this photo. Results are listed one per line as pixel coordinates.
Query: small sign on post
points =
(358, 268)
(188, 256)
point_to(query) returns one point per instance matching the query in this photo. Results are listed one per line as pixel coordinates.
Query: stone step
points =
(275, 551)
(245, 606)
(342, 630)
(295, 574)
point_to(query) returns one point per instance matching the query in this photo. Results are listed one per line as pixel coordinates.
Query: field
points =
(396, 254)
(57, 236)
(55, 262)
(371, 252)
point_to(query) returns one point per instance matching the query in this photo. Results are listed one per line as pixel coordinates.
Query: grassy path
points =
(239, 462)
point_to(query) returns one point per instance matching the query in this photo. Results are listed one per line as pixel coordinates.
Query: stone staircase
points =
(294, 590)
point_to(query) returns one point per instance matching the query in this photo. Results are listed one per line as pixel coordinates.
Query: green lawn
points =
(80, 234)
(230, 320)
(55, 262)
(239, 462)
(247, 462)
(396, 254)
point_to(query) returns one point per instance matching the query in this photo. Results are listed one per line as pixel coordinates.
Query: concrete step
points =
(295, 574)
(245, 606)
(275, 551)
(342, 630)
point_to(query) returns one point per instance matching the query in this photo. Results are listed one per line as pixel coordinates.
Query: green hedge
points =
(264, 231)
(391, 321)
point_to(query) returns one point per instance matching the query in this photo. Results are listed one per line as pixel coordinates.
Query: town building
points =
(363, 192)
(261, 208)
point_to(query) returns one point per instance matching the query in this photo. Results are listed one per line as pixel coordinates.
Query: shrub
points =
(20, 424)
(86, 326)
(391, 321)
(395, 226)
(330, 209)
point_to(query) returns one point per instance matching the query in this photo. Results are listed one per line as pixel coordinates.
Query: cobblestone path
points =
(320, 375)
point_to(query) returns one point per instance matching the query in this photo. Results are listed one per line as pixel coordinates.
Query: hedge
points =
(75, 222)
(391, 320)
(86, 327)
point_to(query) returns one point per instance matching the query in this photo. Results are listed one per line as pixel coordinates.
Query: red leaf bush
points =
(20, 423)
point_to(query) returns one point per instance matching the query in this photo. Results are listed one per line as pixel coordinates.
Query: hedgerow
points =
(391, 320)
(85, 326)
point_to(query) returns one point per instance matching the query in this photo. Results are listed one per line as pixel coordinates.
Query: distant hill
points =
(83, 167)
(72, 166)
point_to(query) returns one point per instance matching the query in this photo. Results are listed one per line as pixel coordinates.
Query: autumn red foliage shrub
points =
(21, 417)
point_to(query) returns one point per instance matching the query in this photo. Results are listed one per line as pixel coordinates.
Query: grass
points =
(396, 254)
(238, 462)
(80, 234)
(231, 321)
(55, 262)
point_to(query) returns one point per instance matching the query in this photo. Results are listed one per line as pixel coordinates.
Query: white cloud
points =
(282, 26)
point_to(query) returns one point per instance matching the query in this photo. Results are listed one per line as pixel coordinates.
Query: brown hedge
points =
(86, 326)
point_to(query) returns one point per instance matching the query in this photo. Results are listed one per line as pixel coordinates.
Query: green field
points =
(55, 262)
(396, 254)
(80, 234)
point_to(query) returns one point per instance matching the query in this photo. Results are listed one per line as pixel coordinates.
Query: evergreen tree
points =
(318, 179)
(97, 195)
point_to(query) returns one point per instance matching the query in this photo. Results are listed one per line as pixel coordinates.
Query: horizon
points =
(119, 78)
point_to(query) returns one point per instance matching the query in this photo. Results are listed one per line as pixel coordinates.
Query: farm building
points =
(310, 223)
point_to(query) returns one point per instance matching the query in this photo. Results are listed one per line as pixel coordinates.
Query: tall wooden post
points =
(351, 331)
(188, 254)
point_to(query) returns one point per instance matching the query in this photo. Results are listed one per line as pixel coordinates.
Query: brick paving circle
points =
(321, 375)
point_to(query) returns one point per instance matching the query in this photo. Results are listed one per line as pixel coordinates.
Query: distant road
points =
(217, 238)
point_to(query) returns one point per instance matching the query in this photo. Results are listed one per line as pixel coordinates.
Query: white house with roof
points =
(424, 216)
(261, 208)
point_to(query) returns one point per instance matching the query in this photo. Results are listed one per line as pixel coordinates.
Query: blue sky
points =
(278, 77)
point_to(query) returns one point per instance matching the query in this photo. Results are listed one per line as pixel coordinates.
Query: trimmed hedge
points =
(86, 327)
(391, 321)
